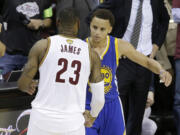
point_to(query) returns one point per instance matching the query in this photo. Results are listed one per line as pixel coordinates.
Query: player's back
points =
(64, 74)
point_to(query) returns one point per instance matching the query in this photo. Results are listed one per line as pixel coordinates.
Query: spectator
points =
(25, 18)
(176, 16)
(83, 8)
(165, 56)
(133, 80)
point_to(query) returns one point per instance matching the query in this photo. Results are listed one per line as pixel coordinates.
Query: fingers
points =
(149, 103)
(89, 120)
(32, 87)
(151, 56)
(30, 92)
(88, 124)
(166, 78)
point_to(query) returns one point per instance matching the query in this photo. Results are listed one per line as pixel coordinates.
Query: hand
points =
(32, 87)
(89, 120)
(2, 49)
(35, 24)
(150, 99)
(165, 77)
(171, 71)
(154, 51)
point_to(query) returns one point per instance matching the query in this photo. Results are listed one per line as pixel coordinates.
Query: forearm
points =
(24, 82)
(36, 24)
(46, 22)
(26, 78)
(98, 100)
(154, 66)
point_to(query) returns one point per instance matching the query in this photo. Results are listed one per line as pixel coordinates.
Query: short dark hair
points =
(67, 17)
(104, 14)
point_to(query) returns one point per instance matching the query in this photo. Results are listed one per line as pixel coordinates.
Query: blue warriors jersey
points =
(109, 63)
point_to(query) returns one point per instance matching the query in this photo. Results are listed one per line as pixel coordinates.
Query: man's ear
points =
(110, 30)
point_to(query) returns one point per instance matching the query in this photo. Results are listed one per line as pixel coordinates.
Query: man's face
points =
(99, 28)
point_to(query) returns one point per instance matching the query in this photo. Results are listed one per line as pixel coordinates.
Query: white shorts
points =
(34, 130)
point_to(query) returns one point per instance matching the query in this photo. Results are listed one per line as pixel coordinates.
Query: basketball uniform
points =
(110, 120)
(60, 102)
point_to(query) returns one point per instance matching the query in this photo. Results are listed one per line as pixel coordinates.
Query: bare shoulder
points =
(124, 47)
(123, 43)
(39, 49)
(40, 45)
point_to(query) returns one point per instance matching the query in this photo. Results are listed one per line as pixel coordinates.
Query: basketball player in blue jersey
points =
(110, 49)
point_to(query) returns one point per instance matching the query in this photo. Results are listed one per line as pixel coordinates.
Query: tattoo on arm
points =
(96, 75)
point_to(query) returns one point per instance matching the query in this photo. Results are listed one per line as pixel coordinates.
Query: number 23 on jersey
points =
(75, 66)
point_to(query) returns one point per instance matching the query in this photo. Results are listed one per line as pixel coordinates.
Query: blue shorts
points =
(110, 120)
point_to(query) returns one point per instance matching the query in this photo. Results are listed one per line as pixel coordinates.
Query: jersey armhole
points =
(117, 51)
(47, 50)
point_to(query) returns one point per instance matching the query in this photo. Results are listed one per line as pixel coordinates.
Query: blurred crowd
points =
(24, 22)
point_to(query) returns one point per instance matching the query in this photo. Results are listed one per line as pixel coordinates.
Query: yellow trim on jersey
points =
(124, 132)
(87, 40)
(107, 47)
(47, 50)
(117, 51)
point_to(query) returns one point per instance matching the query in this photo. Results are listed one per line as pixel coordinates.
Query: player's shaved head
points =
(67, 18)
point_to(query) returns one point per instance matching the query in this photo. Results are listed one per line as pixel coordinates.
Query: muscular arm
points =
(97, 89)
(36, 54)
(95, 75)
(128, 50)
